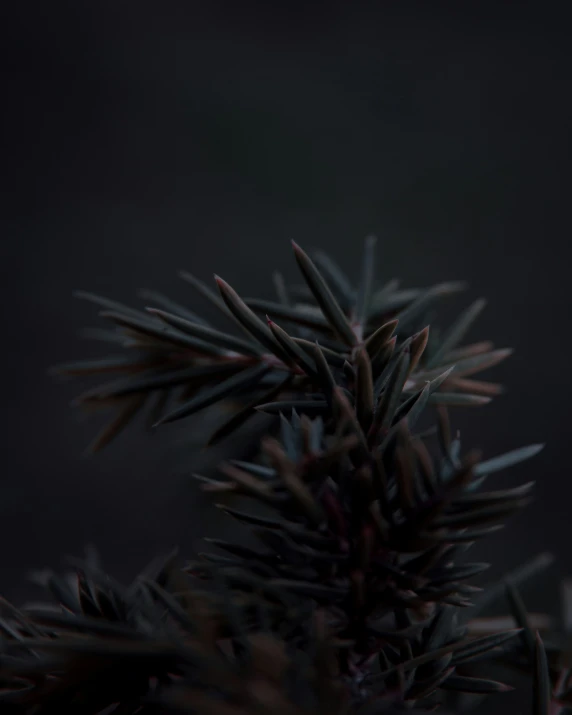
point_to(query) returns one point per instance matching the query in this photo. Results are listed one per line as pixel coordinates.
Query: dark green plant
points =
(357, 596)
(172, 355)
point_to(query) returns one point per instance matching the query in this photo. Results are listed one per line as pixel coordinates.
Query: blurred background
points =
(142, 138)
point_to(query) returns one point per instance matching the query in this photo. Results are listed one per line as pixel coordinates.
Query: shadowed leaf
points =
(466, 684)
(162, 333)
(501, 496)
(418, 345)
(208, 334)
(566, 590)
(475, 387)
(324, 373)
(193, 376)
(171, 306)
(324, 297)
(435, 655)
(364, 390)
(240, 417)
(245, 378)
(467, 351)
(250, 322)
(306, 407)
(382, 361)
(457, 399)
(333, 358)
(520, 615)
(422, 688)
(471, 365)
(289, 314)
(205, 291)
(390, 397)
(366, 282)
(111, 305)
(457, 332)
(116, 363)
(294, 351)
(281, 289)
(287, 472)
(507, 460)
(482, 645)
(125, 415)
(413, 406)
(379, 338)
(389, 300)
(416, 308)
(479, 516)
(542, 688)
(336, 278)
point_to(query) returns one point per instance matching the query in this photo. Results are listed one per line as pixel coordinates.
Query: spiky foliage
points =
(161, 646)
(375, 536)
(364, 333)
(357, 596)
(543, 651)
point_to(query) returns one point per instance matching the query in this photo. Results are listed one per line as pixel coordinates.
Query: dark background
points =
(141, 138)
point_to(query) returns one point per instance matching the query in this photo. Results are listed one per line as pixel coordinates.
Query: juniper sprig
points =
(173, 357)
(356, 597)
(159, 646)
